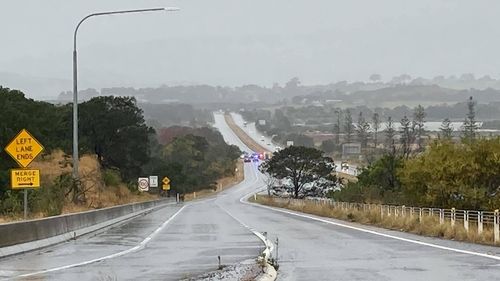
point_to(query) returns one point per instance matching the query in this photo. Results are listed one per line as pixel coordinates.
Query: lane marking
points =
(484, 255)
(115, 255)
(377, 233)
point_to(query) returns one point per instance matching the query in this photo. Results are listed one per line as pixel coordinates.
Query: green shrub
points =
(111, 177)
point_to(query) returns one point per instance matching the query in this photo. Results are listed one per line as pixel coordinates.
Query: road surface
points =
(316, 250)
(180, 241)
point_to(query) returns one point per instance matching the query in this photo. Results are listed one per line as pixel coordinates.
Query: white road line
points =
(484, 255)
(115, 255)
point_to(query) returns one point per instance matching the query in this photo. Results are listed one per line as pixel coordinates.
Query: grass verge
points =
(428, 226)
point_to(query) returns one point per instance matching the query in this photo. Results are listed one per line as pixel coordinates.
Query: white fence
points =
(471, 220)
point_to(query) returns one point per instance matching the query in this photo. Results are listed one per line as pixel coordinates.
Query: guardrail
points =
(29, 231)
(470, 219)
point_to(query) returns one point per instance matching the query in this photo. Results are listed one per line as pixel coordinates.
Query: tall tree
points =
(446, 129)
(115, 130)
(407, 132)
(418, 123)
(470, 126)
(348, 126)
(362, 129)
(301, 165)
(390, 132)
(375, 127)
(337, 126)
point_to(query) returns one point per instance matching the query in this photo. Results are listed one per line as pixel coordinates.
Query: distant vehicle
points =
(247, 159)
(344, 166)
(268, 143)
(245, 124)
(255, 159)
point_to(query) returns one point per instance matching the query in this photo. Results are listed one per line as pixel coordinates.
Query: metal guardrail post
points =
(479, 222)
(403, 211)
(453, 217)
(388, 211)
(381, 211)
(420, 215)
(496, 229)
(466, 221)
(441, 216)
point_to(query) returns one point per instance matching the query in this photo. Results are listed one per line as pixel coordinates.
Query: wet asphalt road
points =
(308, 250)
(312, 250)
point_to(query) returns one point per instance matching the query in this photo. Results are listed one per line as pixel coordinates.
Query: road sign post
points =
(24, 148)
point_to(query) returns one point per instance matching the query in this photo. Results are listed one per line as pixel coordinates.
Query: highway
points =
(331, 250)
(184, 240)
(257, 136)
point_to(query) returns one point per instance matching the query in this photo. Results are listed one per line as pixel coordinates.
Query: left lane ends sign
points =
(24, 148)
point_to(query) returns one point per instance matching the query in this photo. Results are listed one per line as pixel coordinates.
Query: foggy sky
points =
(235, 42)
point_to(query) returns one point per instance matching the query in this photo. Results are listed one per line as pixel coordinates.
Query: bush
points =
(50, 199)
(111, 177)
(12, 202)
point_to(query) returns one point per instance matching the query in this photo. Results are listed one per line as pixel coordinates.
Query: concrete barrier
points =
(17, 237)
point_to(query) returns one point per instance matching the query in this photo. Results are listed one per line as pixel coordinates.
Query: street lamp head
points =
(171, 9)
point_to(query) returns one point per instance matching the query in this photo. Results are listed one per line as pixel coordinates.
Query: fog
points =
(227, 42)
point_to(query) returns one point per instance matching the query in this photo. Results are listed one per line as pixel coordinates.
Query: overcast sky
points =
(235, 42)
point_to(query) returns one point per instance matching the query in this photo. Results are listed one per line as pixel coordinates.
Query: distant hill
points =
(35, 87)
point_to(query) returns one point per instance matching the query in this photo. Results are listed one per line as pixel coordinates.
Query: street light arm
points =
(168, 9)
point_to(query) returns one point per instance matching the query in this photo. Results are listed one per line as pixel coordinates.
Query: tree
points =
(376, 127)
(446, 129)
(418, 124)
(301, 165)
(115, 130)
(390, 132)
(362, 128)
(407, 136)
(469, 128)
(348, 126)
(375, 77)
(336, 128)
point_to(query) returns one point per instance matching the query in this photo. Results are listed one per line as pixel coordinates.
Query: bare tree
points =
(376, 127)
(407, 133)
(348, 126)
(390, 132)
(362, 128)
(446, 129)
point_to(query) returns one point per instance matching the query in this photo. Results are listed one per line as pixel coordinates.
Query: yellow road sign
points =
(165, 180)
(24, 148)
(24, 178)
(166, 183)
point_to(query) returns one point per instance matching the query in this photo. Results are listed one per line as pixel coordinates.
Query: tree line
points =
(114, 130)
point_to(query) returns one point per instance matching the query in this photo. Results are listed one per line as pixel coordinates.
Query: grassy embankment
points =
(429, 226)
(103, 188)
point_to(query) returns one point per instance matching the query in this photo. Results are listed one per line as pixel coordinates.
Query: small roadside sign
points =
(153, 181)
(24, 178)
(166, 183)
(143, 184)
(24, 148)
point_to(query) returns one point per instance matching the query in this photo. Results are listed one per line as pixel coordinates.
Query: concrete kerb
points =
(69, 221)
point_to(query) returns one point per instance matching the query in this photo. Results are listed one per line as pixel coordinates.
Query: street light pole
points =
(75, 75)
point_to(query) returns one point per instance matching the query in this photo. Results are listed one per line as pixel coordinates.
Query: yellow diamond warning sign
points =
(166, 183)
(24, 148)
(24, 178)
